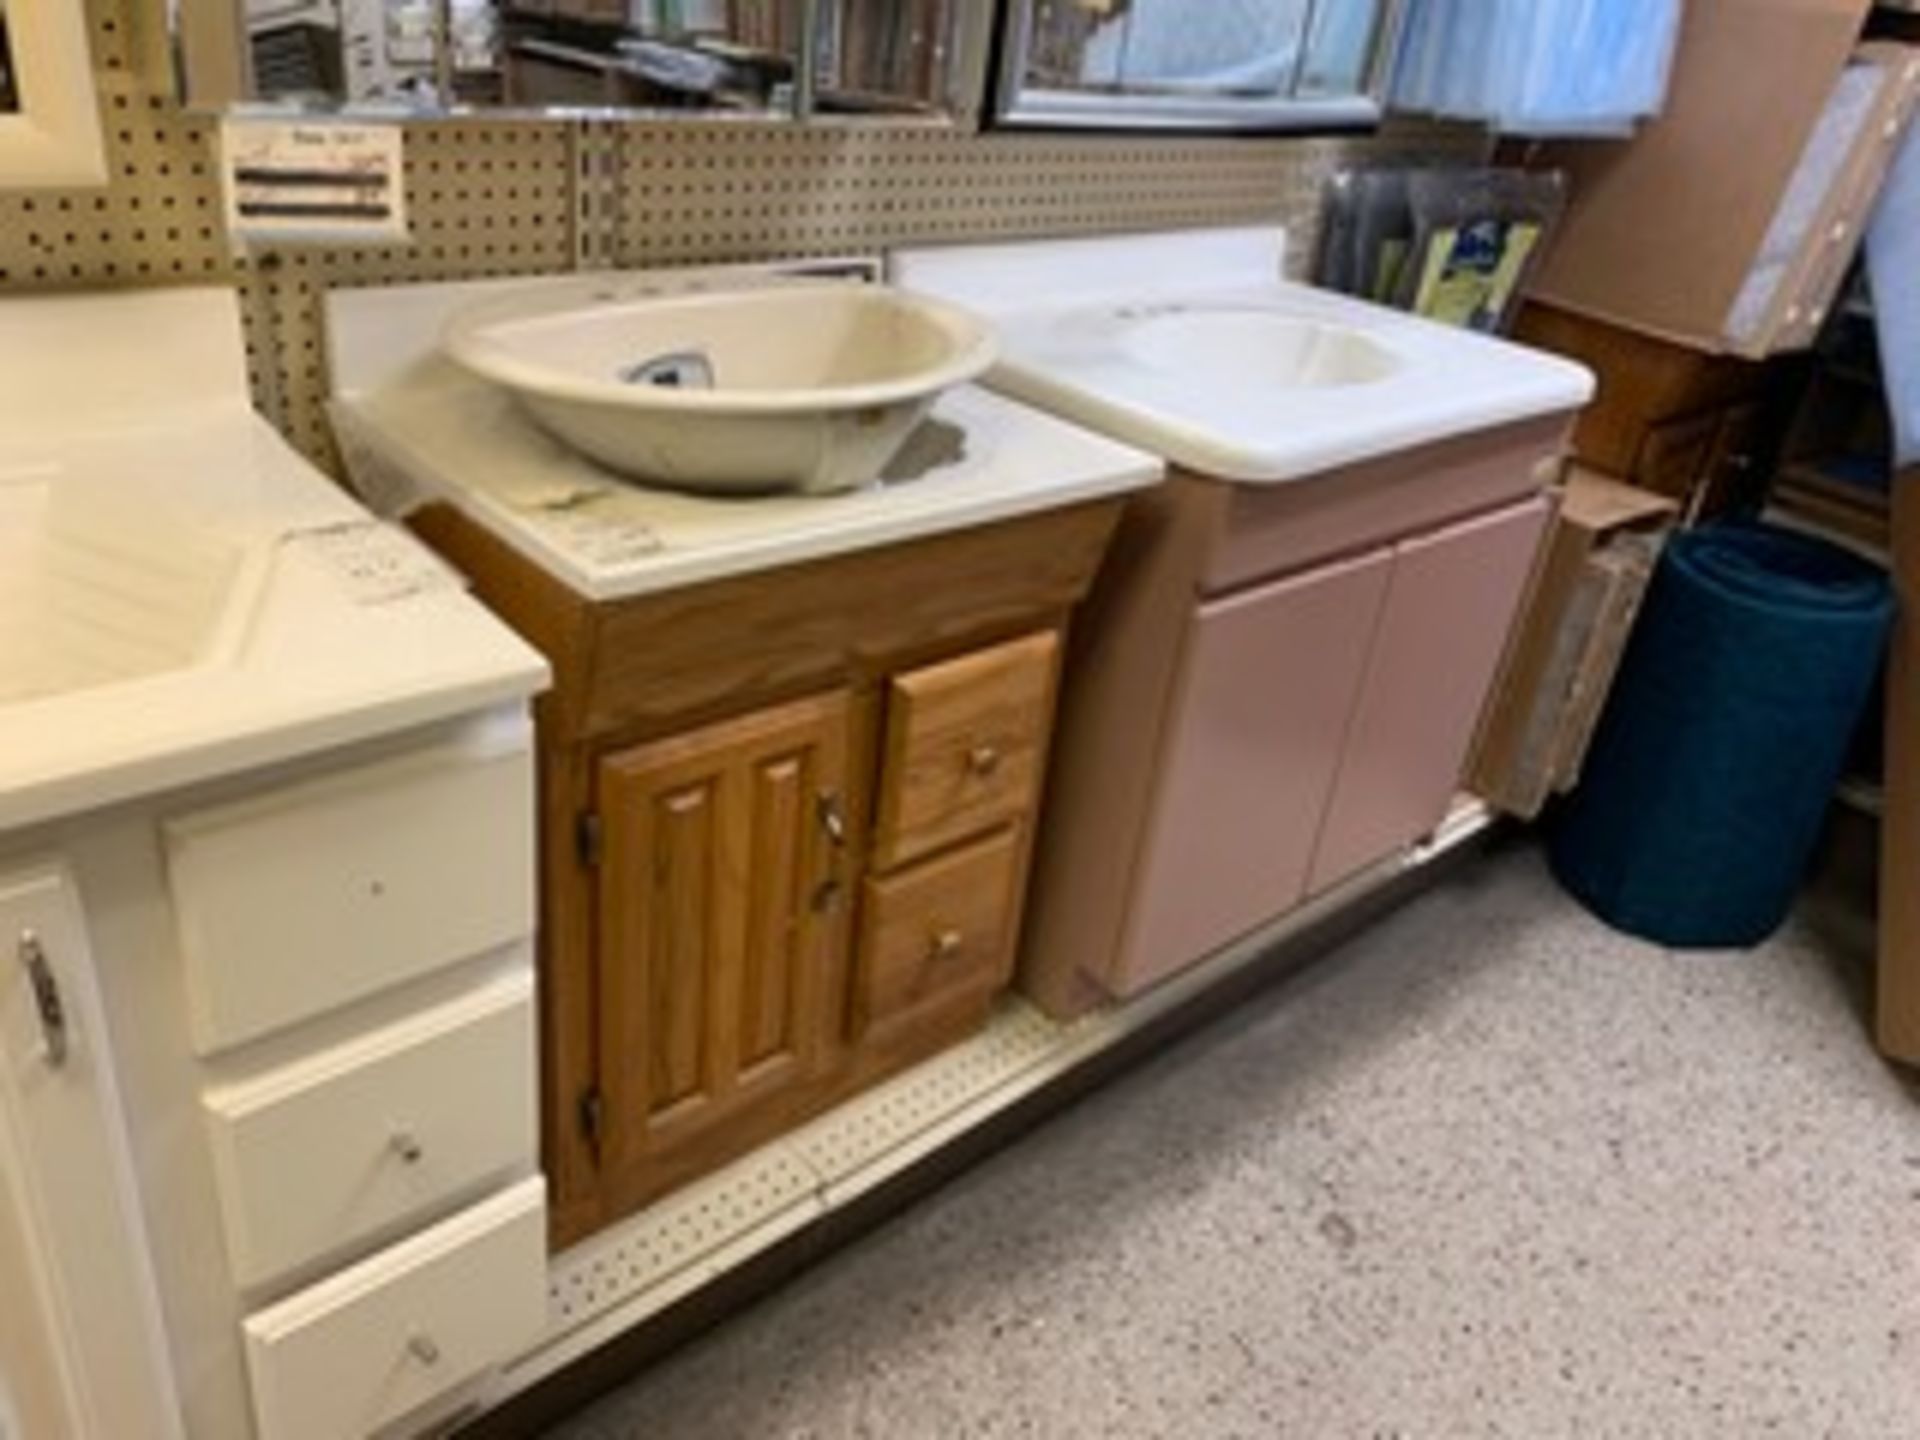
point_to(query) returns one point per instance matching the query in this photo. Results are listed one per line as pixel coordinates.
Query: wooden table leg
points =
(1898, 1018)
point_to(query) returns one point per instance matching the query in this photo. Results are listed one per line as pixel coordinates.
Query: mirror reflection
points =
(1075, 61)
(9, 84)
(873, 56)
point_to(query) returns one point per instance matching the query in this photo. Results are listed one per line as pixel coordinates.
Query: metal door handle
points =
(47, 1004)
(833, 819)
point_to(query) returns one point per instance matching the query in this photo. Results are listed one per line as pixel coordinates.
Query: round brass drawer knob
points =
(983, 761)
(946, 944)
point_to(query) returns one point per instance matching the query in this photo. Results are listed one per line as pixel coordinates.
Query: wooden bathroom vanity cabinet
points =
(785, 826)
(1271, 688)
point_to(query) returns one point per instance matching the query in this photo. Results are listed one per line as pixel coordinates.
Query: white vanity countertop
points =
(338, 628)
(441, 434)
(416, 428)
(1068, 313)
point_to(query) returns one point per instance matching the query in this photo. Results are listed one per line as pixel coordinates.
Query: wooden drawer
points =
(966, 746)
(302, 900)
(380, 1132)
(937, 930)
(366, 1346)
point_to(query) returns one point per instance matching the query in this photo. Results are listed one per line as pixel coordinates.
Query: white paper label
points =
(312, 182)
(376, 563)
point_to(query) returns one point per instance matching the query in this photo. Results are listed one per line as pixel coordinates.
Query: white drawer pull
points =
(422, 1348)
(406, 1147)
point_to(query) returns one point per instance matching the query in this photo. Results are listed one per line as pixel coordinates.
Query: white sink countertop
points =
(1076, 321)
(323, 626)
(416, 428)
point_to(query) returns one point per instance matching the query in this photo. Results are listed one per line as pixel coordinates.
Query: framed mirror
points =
(1209, 65)
(570, 57)
(49, 126)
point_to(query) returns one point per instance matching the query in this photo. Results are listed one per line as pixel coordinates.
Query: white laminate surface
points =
(441, 434)
(1071, 315)
(325, 656)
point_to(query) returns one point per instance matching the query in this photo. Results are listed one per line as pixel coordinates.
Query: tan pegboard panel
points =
(744, 191)
(484, 198)
(157, 219)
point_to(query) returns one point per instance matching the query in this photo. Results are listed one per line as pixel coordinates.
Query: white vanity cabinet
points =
(356, 976)
(298, 1193)
(81, 1348)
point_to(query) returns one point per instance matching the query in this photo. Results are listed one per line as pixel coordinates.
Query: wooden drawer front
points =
(966, 745)
(381, 1132)
(936, 930)
(366, 1346)
(303, 900)
(1674, 455)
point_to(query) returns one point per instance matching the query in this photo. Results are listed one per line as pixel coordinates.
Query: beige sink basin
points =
(93, 593)
(810, 386)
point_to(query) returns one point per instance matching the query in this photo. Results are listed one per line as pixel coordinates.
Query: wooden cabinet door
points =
(1268, 681)
(1450, 604)
(722, 937)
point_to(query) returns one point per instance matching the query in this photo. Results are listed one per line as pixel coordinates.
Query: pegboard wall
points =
(528, 197)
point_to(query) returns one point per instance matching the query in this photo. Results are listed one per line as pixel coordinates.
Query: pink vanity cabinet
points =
(1272, 688)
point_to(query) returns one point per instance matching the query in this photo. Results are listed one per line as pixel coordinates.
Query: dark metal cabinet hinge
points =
(592, 1117)
(590, 838)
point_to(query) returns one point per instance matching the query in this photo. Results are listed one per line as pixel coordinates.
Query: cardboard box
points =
(1566, 647)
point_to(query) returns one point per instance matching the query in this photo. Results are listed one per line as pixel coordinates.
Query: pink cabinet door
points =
(1268, 680)
(1449, 606)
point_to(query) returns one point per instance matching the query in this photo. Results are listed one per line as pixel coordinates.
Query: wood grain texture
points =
(719, 647)
(966, 742)
(1642, 381)
(714, 956)
(545, 613)
(569, 995)
(934, 928)
(640, 678)
(1897, 1017)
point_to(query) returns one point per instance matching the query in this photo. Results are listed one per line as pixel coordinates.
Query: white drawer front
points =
(366, 1346)
(387, 1129)
(302, 900)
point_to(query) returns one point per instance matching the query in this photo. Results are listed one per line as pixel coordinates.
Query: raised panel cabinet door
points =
(722, 933)
(1269, 678)
(1450, 604)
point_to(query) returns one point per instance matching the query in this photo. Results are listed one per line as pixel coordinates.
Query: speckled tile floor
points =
(1491, 1170)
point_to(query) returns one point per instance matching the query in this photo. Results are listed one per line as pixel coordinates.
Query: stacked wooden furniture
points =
(785, 828)
(1694, 426)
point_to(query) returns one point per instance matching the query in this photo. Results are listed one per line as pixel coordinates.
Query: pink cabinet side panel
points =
(1449, 608)
(1269, 680)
